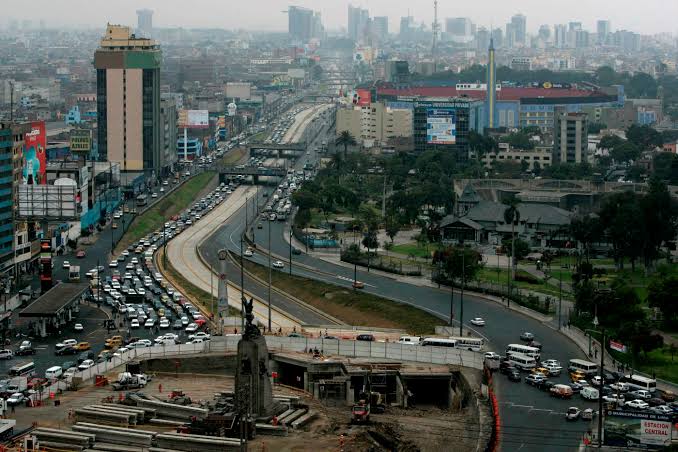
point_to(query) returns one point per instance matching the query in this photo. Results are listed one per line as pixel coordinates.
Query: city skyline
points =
(623, 14)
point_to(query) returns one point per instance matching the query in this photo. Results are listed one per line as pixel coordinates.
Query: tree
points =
(596, 127)
(370, 240)
(305, 199)
(609, 142)
(661, 293)
(644, 137)
(666, 167)
(643, 85)
(392, 226)
(459, 263)
(621, 219)
(586, 230)
(512, 215)
(521, 248)
(345, 139)
(624, 152)
(606, 76)
(659, 220)
(302, 218)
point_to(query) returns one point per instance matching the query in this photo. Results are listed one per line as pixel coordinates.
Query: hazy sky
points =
(645, 16)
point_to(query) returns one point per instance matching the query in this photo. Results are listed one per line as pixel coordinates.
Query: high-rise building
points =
(300, 23)
(358, 19)
(145, 23)
(498, 38)
(168, 134)
(317, 29)
(603, 30)
(128, 100)
(560, 36)
(510, 36)
(570, 137)
(6, 195)
(519, 26)
(482, 39)
(406, 28)
(458, 26)
(491, 80)
(544, 33)
(380, 27)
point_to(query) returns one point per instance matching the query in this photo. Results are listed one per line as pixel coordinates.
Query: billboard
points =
(47, 202)
(81, 141)
(362, 97)
(194, 119)
(33, 157)
(441, 126)
(637, 429)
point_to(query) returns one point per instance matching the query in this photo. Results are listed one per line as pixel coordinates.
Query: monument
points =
(254, 394)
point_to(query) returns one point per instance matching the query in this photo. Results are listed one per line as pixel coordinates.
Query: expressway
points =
(531, 420)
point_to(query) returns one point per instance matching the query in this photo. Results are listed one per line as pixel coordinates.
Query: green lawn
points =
(414, 249)
(170, 205)
(490, 275)
(259, 137)
(657, 361)
(234, 156)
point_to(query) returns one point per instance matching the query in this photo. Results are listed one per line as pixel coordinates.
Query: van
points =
(590, 393)
(6, 354)
(409, 340)
(54, 373)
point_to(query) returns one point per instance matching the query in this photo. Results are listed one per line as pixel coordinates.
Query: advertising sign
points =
(81, 141)
(637, 429)
(362, 97)
(441, 126)
(33, 158)
(618, 346)
(194, 119)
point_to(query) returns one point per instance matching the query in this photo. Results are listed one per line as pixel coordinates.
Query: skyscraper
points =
(603, 30)
(560, 36)
(380, 27)
(357, 22)
(459, 29)
(519, 26)
(128, 100)
(145, 23)
(491, 86)
(300, 23)
(482, 39)
(406, 28)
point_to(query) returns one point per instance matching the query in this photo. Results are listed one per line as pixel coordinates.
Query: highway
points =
(531, 419)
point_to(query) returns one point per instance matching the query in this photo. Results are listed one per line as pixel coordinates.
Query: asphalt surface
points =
(531, 419)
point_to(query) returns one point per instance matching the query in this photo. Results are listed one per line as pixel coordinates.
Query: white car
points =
(478, 321)
(154, 195)
(113, 264)
(68, 374)
(66, 343)
(248, 253)
(86, 364)
(277, 264)
(550, 362)
(184, 320)
(150, 323)
(141, 291)
(191, 328)
(78, 327)
(492, 355)
(125, 253)
(637, 404)
(662, 409)
(66, 264)
(134, 323)
(134, 261)
(197, 340)
(16, 399)
(200, 335)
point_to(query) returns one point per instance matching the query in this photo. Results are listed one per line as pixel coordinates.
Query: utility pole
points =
(242, 285)
(463, 280)
(270, 271)
(290, 249)
(435, 27)
(560, 301)
(600, 395)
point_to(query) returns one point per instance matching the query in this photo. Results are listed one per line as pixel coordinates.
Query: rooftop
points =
(54, 300)
(506, 93)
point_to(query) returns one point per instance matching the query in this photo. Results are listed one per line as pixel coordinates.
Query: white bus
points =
(522, 361)
(640, 382)
(532, 352)
(469, 343)
(587, 367)
(438, 342)
(23, 369)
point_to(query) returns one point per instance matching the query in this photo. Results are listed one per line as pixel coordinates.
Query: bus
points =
(142, 200)
(74, 273)
(22, 369)
(522, 361)
(523, 349)
(586, 367)
(640, 382)
(438, 342)
(474, 344)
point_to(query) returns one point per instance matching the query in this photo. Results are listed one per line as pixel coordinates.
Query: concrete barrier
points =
(294, 416)
(171, 410)
(118, 436)
(303, 420)
(191, 443)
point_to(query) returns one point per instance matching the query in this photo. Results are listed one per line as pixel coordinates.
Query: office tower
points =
(545, 33)
(570, 137)
(482, 39)
(491, 86)
(6, 195)
(603, 30)
(300, 23)
(510, 36)
(459, 29)
(380, 27)
(560, 36)
(145, 23)
(519, 26)
(357, 22)
(128, 100)
(498, 38)
(406, 28)
(317, 29)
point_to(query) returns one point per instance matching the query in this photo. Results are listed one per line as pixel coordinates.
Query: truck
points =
(7, 428)
(17, 384)
(74, 273)
(127, 380)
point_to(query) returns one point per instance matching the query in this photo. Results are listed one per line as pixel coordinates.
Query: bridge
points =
(280, 150)
(254, 172)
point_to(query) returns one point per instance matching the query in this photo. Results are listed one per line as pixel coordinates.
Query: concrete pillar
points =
(400, 393)
(70, 314)
(42, 327)
(350, 397)
(306, 383)
(450, 393)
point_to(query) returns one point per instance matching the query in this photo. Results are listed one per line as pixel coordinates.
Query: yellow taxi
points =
(82, 346)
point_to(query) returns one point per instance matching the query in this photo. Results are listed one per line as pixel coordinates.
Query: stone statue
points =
(251, 330)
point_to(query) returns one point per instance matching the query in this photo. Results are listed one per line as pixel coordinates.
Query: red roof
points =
(508, 93)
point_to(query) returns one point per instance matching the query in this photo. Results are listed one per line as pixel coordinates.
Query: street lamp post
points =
(290, 250)
(270, 271)
(463, 280)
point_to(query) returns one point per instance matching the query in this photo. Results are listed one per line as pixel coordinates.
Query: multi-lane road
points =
(531, 419)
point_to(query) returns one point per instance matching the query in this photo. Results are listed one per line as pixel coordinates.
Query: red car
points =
(200, 322)
(80, 254)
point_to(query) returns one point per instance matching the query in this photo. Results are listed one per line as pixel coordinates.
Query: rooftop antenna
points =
(436, 26)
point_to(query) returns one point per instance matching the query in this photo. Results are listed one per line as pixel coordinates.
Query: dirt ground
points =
(420, 429)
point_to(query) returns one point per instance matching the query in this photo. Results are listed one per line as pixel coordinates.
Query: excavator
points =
(369, 400)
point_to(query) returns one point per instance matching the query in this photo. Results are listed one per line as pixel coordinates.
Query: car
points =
(535, 379)
(80, 254)
(69, 372)
(86, 364)
(527, 336)
(620, 386)
(365, 337)
(113, 264)
(82, 346)
(149, 323)
(260, 226)
(16, 399)
(162, 189)
(614, 398)
(114, 225)
(478, 321)
(134, 323)
(154, 195)
(164, 323)
(662, 409)
(184, 320)
(358, 285)
(553, 369)
(572, 413)
(641, 394)
(6, 354)
(277, 264)
(248, 253)
(514, 375)
(200, 335)
(78, 327)
(550, 362)
(177, 325)
(492, 355)
(637, 405)
(191, 328)
(295, 335)
(296, 251)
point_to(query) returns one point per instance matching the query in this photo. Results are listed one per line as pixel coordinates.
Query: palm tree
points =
(345, 139)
